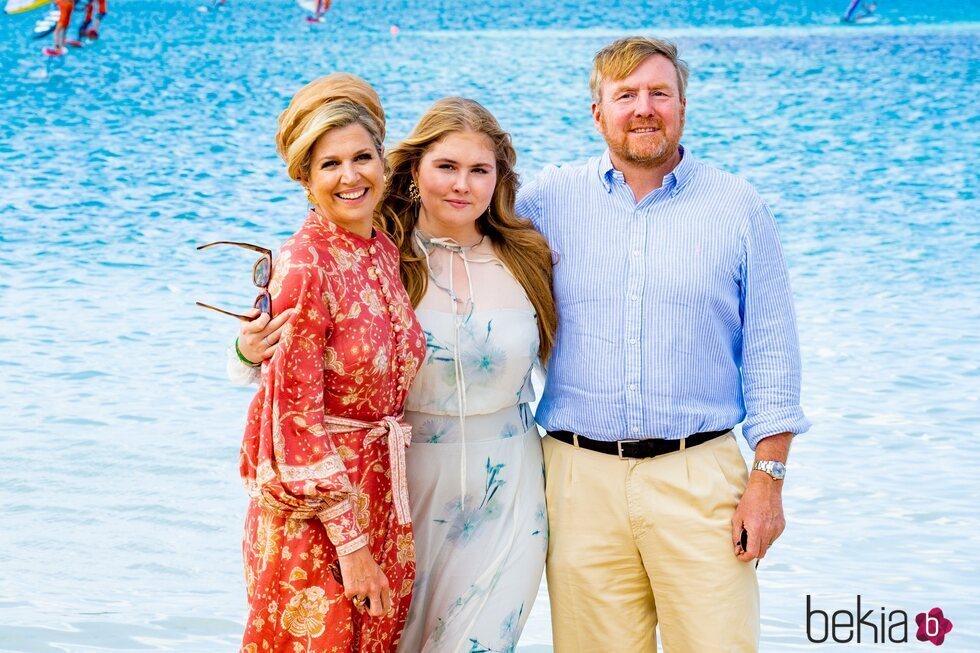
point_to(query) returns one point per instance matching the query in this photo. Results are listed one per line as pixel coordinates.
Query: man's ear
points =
(597, 116)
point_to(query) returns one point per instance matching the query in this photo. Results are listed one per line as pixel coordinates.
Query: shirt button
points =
(635, 297)
(632, 341)
(636, 252)
(397, 328)
(372, 249)
(632, 386)
(636, 429)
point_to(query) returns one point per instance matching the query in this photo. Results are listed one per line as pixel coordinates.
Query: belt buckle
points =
(619, 447)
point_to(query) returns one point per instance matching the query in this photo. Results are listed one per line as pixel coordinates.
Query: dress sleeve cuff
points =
(778, 420)
(238, 372)
(342, 528)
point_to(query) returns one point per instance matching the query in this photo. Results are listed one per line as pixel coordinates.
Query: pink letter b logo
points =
(933, 626)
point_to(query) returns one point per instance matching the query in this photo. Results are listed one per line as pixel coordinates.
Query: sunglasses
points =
(261, 275)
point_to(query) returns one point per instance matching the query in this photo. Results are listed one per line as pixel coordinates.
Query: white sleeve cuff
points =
(238, 372)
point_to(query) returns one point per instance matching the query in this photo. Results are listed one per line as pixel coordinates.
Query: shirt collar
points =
(606, 171)
(683, 171)
(673, 180)
(430, 242)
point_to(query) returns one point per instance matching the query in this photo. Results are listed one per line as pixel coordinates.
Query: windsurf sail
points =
(316, 8)
(858, 9)
(18, 6)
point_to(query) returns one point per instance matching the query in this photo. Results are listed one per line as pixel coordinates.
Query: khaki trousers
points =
(637, 544)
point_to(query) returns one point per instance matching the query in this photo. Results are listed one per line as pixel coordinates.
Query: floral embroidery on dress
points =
(347, 357)
(509, 632)
(475, 466)
(465, 521)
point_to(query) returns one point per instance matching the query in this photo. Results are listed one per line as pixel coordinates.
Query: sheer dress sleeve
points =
(238, 372)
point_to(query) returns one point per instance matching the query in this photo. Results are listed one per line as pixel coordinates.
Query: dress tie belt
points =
(399, 437)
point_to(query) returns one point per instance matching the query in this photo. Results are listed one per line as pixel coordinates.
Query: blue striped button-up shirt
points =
(675, 313)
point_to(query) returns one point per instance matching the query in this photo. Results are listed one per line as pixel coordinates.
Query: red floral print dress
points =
(323, 453)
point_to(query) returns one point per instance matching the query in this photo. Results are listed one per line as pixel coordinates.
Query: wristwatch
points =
(774, 468)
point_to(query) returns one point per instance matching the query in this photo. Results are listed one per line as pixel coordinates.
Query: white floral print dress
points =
(475, 471)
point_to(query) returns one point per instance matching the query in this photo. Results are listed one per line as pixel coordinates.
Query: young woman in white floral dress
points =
(480, 280)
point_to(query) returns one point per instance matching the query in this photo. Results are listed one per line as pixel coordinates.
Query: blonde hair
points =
(622, 57)
(520, 247)
(336, 100)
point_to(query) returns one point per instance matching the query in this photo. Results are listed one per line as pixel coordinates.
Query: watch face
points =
(774, 468)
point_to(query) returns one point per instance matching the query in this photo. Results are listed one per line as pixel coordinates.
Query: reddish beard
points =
(654, 150)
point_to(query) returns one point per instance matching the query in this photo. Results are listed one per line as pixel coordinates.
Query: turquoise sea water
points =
(120, 505)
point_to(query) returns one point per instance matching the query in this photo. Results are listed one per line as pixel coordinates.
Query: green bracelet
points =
(242, 358)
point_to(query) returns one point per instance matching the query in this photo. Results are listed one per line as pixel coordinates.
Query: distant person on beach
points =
(90, 26)
(329, 554)
(65, 7)
(480, 280)
(676, 324)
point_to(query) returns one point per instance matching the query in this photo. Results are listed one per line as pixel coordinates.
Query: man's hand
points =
(760, 512)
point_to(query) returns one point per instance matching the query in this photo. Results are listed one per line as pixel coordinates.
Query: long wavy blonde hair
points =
(520, 247)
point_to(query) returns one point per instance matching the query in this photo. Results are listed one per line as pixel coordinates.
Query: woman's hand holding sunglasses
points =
(258, 337)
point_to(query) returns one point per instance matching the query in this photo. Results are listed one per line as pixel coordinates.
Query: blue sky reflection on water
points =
(121, 505)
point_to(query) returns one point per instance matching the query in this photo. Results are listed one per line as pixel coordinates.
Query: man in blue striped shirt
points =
(676, 324)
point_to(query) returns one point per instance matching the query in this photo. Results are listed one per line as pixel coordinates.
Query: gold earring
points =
(309, 196)
(413, 192)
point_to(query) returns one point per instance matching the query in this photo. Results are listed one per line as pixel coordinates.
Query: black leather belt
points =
(649, 448)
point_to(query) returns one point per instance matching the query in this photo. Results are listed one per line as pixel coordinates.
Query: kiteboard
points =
(46, 25)
(19, 6)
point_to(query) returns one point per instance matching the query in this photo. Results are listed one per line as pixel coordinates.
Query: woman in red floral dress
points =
(329, 555)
